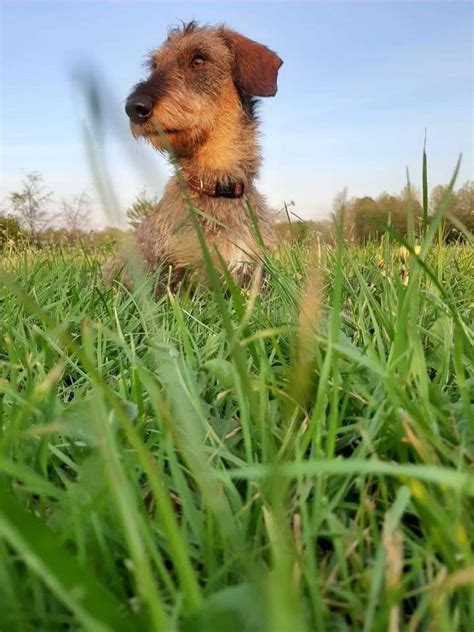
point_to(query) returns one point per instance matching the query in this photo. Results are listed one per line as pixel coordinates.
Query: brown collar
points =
(216, 188)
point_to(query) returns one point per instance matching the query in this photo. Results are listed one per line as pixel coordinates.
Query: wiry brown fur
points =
(207, 116)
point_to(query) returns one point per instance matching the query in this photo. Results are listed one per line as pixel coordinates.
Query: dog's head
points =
(197, 75)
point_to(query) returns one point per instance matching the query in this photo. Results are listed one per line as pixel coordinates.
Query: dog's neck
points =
(229, 153)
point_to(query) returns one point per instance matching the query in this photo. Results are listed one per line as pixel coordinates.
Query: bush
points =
(10, 231)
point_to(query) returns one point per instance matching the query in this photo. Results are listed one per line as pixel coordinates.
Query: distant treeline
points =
(26, 217)
(365, 218)
(12, 235)
(32, 216)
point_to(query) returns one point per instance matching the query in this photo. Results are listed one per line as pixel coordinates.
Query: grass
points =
(293, 459)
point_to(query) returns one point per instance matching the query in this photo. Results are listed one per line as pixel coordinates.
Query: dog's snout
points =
(139, 108)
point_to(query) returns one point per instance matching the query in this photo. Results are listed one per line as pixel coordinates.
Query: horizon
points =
(359, 86)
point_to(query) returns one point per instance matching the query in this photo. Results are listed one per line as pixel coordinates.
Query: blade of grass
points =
(75, 585)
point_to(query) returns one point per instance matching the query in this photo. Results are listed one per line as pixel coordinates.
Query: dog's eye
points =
(197, 61)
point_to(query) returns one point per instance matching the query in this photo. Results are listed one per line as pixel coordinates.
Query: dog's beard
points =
(176, 142)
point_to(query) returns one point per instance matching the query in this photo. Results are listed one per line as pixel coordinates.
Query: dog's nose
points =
(139, 108)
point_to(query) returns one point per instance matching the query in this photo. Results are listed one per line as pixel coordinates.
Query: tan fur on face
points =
(182, 107)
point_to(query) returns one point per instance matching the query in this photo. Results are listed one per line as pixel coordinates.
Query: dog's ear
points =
(255, 66)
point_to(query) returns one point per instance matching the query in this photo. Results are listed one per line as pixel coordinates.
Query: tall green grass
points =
(296, 458)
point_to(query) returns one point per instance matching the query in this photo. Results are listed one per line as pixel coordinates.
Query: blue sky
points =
(360, 83)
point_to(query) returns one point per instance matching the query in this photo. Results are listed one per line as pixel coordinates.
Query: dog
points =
(198, 106)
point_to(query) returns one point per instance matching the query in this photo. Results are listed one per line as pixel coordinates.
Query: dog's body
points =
(167, 235)
(198, 104)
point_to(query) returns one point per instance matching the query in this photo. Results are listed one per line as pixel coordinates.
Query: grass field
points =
(297, 458)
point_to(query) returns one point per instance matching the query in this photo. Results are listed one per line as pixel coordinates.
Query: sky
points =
(360, 84)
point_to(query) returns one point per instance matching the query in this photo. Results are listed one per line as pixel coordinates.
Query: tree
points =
(394, 210)
(410, 193)
(366, 217)
(10, 231)
(143, 204)
(360, 213)
(30, 204)
(460, 205)
(76, 213)
(465, 205)
(437, 195)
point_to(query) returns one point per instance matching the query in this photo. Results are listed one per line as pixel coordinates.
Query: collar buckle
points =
(231, 190)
